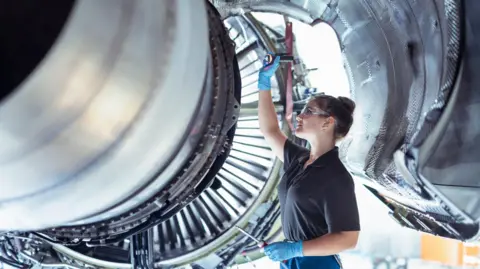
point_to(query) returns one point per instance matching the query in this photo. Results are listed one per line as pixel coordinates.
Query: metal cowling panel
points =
(447, 154)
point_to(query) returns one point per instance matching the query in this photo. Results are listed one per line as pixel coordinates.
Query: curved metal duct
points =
(106, 129)
(244, 181)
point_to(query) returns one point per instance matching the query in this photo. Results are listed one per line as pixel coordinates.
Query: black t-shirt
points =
(317, 200)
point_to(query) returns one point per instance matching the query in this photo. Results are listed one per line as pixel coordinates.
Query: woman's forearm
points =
(330, 244)
(267, 116)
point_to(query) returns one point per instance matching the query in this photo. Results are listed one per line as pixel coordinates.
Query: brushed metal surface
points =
(105, 110)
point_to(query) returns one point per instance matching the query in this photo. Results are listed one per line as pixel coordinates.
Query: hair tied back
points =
(347, 103)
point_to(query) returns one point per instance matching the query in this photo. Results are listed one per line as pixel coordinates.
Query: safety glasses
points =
(309, 112)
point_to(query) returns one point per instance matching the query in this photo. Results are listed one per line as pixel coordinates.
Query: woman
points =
(318, 204)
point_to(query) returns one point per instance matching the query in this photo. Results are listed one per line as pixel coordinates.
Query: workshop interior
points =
(129, 135)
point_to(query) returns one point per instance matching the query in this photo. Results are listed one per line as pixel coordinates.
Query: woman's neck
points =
(320, 147)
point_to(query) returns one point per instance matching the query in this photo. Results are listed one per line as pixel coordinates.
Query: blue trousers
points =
(319, 262)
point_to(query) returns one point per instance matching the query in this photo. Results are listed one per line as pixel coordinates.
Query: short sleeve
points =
(291, 151)
(340, 208)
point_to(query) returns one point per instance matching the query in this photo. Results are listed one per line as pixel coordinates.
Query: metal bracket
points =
(141, 250)
(234, 111)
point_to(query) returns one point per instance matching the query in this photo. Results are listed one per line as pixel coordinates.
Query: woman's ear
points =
(326, 123)
(330, 121)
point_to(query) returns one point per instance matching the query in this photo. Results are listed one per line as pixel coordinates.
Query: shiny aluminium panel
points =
(96, 112)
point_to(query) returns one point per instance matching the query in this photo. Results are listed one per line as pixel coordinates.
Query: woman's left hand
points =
(281, 251)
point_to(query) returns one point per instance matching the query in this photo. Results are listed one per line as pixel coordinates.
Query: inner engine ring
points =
(108, 126)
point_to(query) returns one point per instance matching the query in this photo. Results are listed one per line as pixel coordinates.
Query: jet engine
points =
(132, 125)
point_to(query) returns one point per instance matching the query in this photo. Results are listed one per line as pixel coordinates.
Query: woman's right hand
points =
(266, 74)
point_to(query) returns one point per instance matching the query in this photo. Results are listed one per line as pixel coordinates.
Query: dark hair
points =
(340, 108)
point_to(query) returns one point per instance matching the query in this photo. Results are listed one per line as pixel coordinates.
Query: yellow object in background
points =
(471, 254)
(449, 252)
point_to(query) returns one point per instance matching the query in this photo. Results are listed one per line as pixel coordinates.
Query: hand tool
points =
(260, 244)
(269, 58)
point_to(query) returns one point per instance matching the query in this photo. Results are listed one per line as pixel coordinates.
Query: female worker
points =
(318, 204)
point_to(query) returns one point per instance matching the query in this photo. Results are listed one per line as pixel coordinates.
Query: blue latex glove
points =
(281, 251)
(266, 74)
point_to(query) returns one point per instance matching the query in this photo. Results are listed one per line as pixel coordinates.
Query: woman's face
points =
(311, 121)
